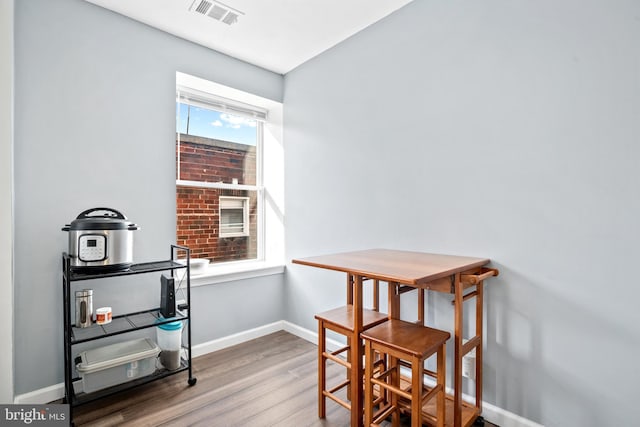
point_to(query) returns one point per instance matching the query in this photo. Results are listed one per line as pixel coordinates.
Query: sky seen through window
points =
(207, 123)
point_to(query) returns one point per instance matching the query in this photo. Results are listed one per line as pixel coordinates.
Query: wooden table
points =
(404, 270)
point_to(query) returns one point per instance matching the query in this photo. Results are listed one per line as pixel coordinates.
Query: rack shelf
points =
(122, 324)
(146, 267)
(81, 398)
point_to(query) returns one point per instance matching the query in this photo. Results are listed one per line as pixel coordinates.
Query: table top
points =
(411, 268)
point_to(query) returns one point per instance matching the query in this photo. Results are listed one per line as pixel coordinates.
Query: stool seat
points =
(407, 338)
(342, 318)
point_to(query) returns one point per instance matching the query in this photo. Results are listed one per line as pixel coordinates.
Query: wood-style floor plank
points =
(270, 381)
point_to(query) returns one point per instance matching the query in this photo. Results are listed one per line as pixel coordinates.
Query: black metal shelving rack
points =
(121, 324)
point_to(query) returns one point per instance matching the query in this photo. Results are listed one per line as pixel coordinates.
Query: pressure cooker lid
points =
(101, 219)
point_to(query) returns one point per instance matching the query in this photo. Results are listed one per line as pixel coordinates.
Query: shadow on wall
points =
(548, 355)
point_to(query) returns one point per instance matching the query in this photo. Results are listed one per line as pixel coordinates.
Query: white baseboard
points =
(41, 396)
(239, 338)
(504, 418)
(491, 413)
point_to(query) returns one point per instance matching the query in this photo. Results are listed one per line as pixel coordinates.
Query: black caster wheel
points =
(192, 381)
(479, 421)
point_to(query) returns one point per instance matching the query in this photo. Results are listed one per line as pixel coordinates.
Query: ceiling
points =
(277, 35)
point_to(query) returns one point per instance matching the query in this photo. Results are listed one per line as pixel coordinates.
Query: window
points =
(234, 216)
(229, 179)
(219, 190)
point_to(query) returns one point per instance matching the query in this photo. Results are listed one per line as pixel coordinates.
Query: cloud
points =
(235, 122)
(217, 123)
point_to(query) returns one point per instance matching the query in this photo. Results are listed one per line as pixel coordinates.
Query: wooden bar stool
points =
(409, 345)
(339, 320)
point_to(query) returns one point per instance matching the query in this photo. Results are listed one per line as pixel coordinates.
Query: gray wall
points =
(498, 129)
(95, 126)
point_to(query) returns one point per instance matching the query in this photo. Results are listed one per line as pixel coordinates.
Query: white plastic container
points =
(170, 342)
(197, 266)
(117, 363)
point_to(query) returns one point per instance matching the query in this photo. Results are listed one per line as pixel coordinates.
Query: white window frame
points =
(271, 173)
(213, 102)
(244, 204)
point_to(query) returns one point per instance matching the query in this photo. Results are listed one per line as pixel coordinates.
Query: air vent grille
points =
(230, 18)
(203, 7)
(216, 10)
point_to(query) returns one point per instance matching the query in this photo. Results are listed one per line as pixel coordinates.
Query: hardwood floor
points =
(269, 381)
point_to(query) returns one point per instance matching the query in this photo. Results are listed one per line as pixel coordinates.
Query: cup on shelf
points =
(169, 337)
(103, 315)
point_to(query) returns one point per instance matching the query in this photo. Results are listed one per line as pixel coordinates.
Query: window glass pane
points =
(209, 123)
(215, 146)
(200, 224)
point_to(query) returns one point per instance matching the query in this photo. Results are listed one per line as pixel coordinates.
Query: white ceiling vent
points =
(216, 10)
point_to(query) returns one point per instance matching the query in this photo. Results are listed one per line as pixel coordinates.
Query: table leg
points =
(421, 320)
(393, 303)
(357, 369)
(457, 356)
(349, 289)
(479, 302)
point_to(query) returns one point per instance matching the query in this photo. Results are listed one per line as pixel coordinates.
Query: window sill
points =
(240, 270)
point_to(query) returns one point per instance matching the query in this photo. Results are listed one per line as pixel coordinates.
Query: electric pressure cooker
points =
(100, 239)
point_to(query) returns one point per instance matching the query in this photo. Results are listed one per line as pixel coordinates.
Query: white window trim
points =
(236, 270)
(217, 103)
(198, 98)
(270, 253)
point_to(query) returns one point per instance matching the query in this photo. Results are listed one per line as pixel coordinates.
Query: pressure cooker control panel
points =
(92, 247)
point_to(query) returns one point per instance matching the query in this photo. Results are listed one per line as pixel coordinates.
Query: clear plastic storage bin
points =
(117, 363)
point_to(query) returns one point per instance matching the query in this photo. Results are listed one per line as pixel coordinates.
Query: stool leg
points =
(395, 380)
(441, 379)
(349, 372)
(322, 375)
(416, 391)
(368, 386)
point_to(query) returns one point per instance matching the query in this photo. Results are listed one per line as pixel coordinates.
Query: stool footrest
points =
(430, 373)
(336, 399)
(383, 414)
(429, 394)
(424, 370)
(339, 386)
(336, 359)
(391, 388)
